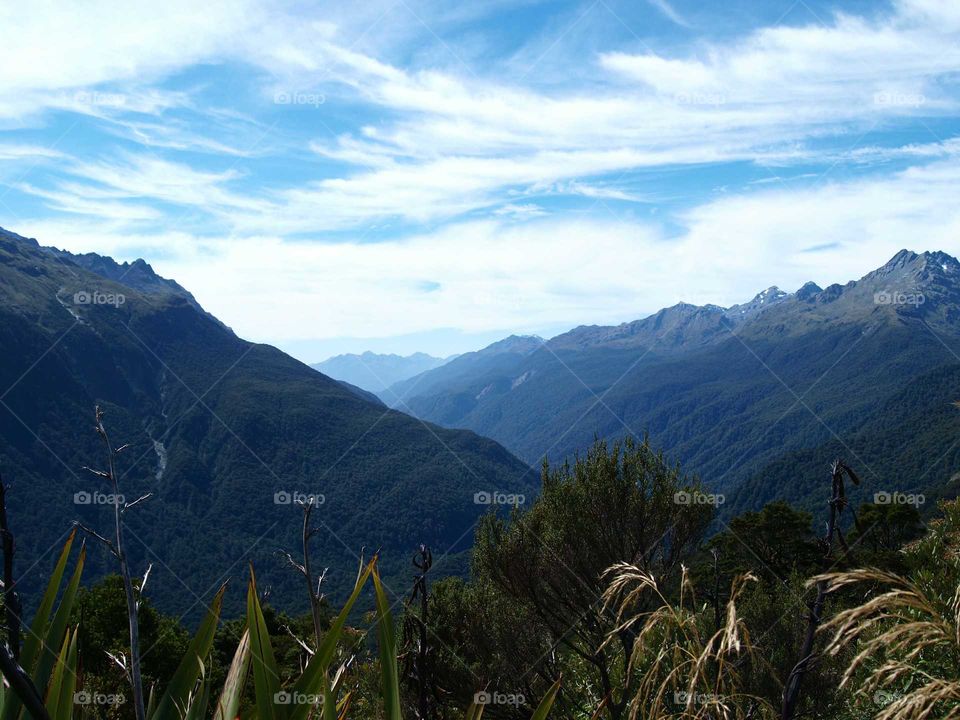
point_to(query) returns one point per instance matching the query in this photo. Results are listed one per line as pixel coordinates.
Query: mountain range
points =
(756, 398)
(223, 432)
(375, 372)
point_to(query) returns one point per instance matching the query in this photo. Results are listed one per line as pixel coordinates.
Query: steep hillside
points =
(222, 431)
(726, 391)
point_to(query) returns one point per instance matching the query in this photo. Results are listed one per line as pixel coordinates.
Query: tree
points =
(619, 504)
(771, 543)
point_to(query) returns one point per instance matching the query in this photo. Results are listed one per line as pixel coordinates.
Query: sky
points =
(404, 175)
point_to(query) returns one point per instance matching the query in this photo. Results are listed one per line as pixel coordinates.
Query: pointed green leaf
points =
(58, 626)
(151, 700)
(198, 701)
(388, 652)
(329, 699)
(266, 679)
(543, 709)
(474, 712)
(311, 681)
(229, 704)
(38, 629)
(59, 701)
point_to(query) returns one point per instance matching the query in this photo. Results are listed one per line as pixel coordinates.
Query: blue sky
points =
(404, 175)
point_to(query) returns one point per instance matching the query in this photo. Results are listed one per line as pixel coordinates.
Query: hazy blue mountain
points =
(376, 372)
(222, 431)
(499, 357)
(729, 391)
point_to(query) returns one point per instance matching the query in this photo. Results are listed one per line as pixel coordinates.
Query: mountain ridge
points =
(724, 390)
(219, 428)
(375, 372)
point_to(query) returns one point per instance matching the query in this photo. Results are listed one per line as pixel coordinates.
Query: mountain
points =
(739, 394)
(223, 432)
(375, 372)
(498, 358)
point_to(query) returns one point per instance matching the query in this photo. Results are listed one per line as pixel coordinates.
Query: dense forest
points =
(618, 593)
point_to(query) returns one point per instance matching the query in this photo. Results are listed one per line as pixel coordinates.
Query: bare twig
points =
(119, 551)
(838, 501)
(293, 563)
(143, 583)
(11, 599)
(140, 499)
(313, 592)
(422, 561)
(96, 536)
(306, 648)
(304, 569)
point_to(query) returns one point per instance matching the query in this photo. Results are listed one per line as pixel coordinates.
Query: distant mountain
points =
(222, 431)
(498, 358)
(375, 372)
(737, 394)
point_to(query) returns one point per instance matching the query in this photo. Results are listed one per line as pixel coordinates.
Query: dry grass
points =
(907, 644)
(684, 672)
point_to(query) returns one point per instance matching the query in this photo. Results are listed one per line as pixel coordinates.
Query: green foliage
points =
(772, 544)
(885, 530)
(538, 578)
(101, 614)
(727, 407)
(266, 424)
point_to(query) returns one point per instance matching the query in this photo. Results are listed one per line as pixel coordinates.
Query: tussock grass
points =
(685, 670)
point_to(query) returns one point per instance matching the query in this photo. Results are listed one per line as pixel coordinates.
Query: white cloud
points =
(436, 145)
(59, 47)
(456, 145)
(498, 275)
(460, 144)
(11, 151)
(143, 178)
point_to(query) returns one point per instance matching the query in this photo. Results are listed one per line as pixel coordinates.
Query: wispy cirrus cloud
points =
(303, 140)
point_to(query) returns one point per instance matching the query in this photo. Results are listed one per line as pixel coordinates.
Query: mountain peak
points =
(8, 235)
(931, 258)
(761, 301)
(904, 257)
(934, 271)
(808, 290)
(515, 343)
(771, 294)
